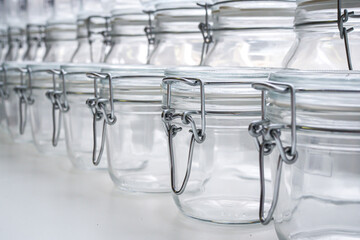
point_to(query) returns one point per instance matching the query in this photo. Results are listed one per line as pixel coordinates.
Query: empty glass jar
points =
(17, 98)
(251, 33)
(60, 41)
(45, 115)
(178, 40)
(311, 121)
(17, 44)
(215, 175)
(129, 42)
(35, 38)
(319, 45)
(3, 44)
(93, 38)
(78, 121)
(131, 107)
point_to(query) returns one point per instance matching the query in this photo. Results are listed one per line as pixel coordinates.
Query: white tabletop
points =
(43, 197)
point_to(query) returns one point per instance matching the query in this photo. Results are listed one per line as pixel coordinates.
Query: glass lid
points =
(324, 99)
(44, 66)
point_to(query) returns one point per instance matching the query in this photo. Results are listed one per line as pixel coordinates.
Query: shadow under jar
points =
(135, 141)
(251, 33)
(178, 39)
(45, 115)
(319, 45)
(17, 98)
(207, 111)
(315, 173)
(78, 121)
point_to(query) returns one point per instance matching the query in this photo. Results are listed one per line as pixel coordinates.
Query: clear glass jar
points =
(135, 141)
(17, 100)
(178, 40)
(78, 120)
(46, 138)
(215, 175)
(17, 44)
(251, 33)
(92, 35)
(3, 44)
(318, 45)
(317, 115)
(129, 42)
(35, 43)
(60, 41)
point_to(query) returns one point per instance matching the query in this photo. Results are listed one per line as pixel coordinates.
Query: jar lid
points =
(44, 66)
(60, 31)
(323, 11)
(324, 99)
(135, 82)
(13, 71)
(253, 14)
(128, 21)
(225, 88)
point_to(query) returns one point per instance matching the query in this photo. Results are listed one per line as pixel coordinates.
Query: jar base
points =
(142, 182)
(222, 209)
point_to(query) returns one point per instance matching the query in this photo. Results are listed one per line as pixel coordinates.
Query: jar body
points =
(15, 51)
(41, 118)
(320, 192)
(137, 159)
(35, 51)
(250, 48)
(128, 50)
(177, 49)
(79, 132)
(224, 182)
(321, 48)
(86, 53)
(60, 51)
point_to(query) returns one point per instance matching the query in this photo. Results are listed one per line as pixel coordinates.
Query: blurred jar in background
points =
(318, 45)
(251, 33)
(3, 33)
(129, 42)
(178, 39)
(60, 32)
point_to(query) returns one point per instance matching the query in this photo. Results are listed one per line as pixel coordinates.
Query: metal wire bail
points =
(197, 134)
(150, 33)
(270, 138)
(205, 29)
(99, 110)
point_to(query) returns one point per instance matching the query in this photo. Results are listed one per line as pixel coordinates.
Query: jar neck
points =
(60, 32)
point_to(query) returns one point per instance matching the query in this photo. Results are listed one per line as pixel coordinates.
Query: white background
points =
(43, 197)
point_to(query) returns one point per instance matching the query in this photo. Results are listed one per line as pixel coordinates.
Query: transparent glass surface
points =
(318, 45)
(320, 193)
(129, 42)
(178, 40)
(251, 33)
(40, 112)
(36, 47)
(3, 44)
(17, 45)
(78, 120)
(136, 143)
(223, 186)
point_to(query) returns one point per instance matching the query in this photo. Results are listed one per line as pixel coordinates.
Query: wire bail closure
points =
(150, 33)
(98, 107)
(197, 134)
(59, 103)
(105, 34)
(206, 32)
(270, 138)
(343, 17)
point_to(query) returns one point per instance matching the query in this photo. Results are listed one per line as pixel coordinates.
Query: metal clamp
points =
(150, 32)
(205, 29)
(99, 110)
(59, 103)
(270, 134)
(197, 134)
(105, 34)
(341, 19)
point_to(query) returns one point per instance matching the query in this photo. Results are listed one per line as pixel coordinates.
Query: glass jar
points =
(129, 42)
(318, 44)
(251, 33)
(93, 39)
(178, 40)
(35, 36)
(45, 80)
(135, 139)
(60, 41)
(77, 121)
(17, 98)
(3, 44)
(311, 121)
(17, 45)
(207, 111)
